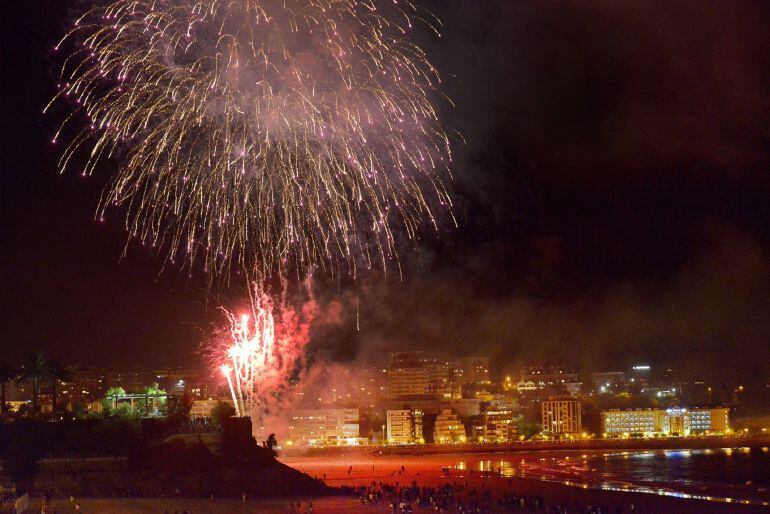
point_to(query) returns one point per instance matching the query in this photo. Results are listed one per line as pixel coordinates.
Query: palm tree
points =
(57, 372)
(7, 373)
(34, 370)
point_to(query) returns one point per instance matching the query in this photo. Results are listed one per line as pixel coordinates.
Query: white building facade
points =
(325, 427)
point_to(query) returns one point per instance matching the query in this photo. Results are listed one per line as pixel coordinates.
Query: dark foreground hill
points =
(177, 470)
(37, 459)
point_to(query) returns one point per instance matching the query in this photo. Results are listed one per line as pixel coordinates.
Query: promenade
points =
(670, 443)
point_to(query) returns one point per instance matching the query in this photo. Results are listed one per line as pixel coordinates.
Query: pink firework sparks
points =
(252, 357)
(264, 349)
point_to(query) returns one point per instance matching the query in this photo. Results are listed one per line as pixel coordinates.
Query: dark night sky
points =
(613, 193)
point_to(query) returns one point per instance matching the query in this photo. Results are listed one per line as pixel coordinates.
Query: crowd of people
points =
(7, 498)
(11, 501)
(464, 499)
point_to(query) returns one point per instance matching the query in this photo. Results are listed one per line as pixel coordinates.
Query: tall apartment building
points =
(674, 421)
(405, 426)
(406, 380)
(416, 373)
(441, 383)
(369, 385)
(548, 375)
(448, 428)
(472, 370)
(324, 427)
(407, 374)
(539, 382)
(561, 417)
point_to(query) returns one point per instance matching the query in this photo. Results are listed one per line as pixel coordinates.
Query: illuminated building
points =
(666, 391)
(405, 426)
(17, 391)
(85, 385)
(497, 426)
(199, 388)
(561, 417)
(551, 380)
(201, 409)
(672, 421)
(375, 384)
(572, 388)
(415, 373)
(526, 386)
(441, 379)
(15, 405)
(360, 386)
(407, 381)
(640, 375)
(173, 381)
(543, 376)
(130, 381)
(471, 370)
(608, 381)
(408, 374)
(448, 428)
(195, 384)
(325, 427)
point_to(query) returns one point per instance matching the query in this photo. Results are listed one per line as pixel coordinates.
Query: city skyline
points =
(408, 378)
(653, 250)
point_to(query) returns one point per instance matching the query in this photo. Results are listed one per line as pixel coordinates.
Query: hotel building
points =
(673, 421)
(324, 427)
(417, 373)
(561, 417)
(405, 426)
(496, 426)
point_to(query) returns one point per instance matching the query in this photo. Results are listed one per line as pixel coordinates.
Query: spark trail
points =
(259, 352)
(252, 133)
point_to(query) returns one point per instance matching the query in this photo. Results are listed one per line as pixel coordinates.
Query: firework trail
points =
(252, 133)
(260, 351)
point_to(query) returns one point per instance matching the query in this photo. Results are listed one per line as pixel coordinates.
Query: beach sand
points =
(342, 505)
(426, 470)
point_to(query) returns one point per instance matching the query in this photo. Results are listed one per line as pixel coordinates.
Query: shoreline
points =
(427, 470)
(674, 443)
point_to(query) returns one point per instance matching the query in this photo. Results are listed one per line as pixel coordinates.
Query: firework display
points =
(252, 133)
(259, 353)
